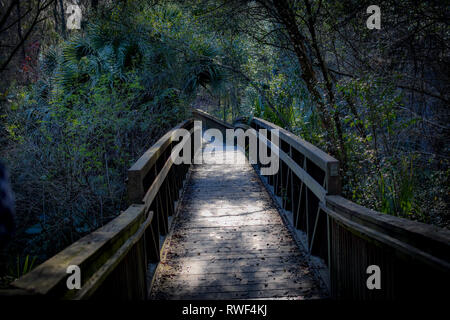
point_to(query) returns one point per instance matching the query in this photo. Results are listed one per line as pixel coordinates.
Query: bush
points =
(103, 98)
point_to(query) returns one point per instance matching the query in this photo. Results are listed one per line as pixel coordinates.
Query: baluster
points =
(169, 201)
(174, 188)
(162, 214)
(278, 183)
(270, 178)
(152, 237)
(300, 212)
(288, 194)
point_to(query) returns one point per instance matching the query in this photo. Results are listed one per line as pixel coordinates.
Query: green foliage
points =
(396, 190)
(378, 174)
(23, 267)
(104, 96)
(108, 92)
(283, 102)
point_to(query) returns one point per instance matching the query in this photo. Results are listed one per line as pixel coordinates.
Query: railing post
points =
(152, 238)
(288, 203)
(162, 213)
(333, 180)
(135, 187)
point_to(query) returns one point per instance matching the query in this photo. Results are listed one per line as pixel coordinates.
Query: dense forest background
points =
(78, 107)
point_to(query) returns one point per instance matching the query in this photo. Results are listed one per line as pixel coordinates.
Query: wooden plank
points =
(206, 279)
(222, 187)
(246, 266)
(231, 244)
(186, 287)
(226, 238)
(221, 231)
(221, 260)
(222, 239)
(227, 194)
(288, 293)
(229, 249)
(223, 204)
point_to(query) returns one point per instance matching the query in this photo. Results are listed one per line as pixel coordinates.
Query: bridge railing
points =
(117, 261)
(342, 238)
(306, 175)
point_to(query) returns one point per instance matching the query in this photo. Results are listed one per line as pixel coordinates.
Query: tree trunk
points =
(63, 20)
(19, 29)
(287, 17)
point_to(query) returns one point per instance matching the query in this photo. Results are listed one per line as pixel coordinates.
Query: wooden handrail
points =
(388, 240)
(157, 182)
(97, 279)
(320, 158)
(114, 260)
(143, 165)
(90, 252)
(310, 182)
(418, 237)
(206, 117)
(344, 238)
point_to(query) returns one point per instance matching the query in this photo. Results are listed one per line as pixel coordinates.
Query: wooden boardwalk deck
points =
(229, 241)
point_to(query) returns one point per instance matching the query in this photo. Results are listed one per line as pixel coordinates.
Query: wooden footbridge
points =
(219, 230)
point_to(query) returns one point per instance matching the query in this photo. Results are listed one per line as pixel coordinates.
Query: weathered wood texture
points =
(114, 260)
(140, 174)
(413, 257)
(344, 238)
(229, 242)
(116, 246)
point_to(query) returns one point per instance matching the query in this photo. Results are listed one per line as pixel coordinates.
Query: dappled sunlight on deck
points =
(229, 241)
